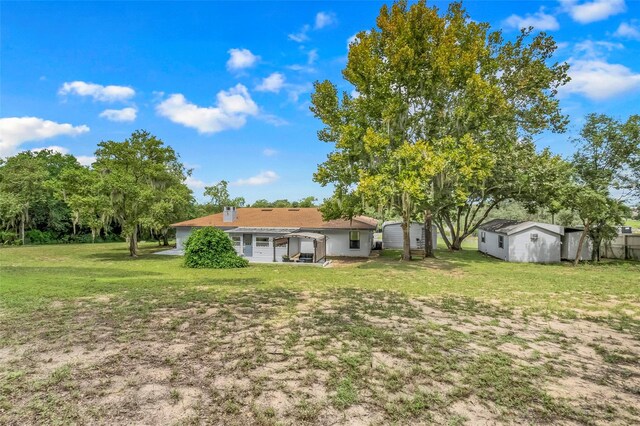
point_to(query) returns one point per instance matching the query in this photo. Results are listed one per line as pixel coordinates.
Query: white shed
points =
(392, 235)
(518, 241)
(570, 242)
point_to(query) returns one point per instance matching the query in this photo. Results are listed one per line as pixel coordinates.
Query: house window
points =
(500, 241)
(236, 240)
(354, 239)
(483, 236)
(262, 241)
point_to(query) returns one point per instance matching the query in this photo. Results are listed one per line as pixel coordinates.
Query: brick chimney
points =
(229, 214)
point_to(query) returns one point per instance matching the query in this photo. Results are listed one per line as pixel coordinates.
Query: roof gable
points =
(509, 227)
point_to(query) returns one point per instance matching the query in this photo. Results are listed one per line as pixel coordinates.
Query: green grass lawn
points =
(634, 223)
(89, 335)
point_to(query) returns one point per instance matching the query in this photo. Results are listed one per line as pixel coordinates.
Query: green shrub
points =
(35, 236)
(211, 248)
(8, 237)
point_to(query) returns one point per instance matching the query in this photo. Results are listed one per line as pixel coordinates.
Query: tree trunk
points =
(406, 227)
(22, 220)
(428, 240)
(133, 242)
(93, 235)
(165, 238)
(585, 231)
(456, 243)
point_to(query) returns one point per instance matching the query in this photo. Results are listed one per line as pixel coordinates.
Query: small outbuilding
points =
(570, 242)
(521, 241)
(392, 236)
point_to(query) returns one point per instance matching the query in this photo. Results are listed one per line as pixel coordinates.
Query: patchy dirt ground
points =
(342, 357)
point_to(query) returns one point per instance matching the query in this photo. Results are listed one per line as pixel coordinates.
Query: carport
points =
(319, 247)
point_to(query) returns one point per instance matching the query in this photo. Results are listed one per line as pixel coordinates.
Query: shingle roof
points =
(497, 225)
(306, 218)
(508, 226)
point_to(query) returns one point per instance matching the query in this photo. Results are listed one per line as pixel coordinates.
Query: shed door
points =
(247, 240)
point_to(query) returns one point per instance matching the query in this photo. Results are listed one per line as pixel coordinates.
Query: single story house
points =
(392, 236)
(274, 234)
(521, 241)
(570, 242)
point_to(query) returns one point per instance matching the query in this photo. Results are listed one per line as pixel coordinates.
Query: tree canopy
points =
(441, 119)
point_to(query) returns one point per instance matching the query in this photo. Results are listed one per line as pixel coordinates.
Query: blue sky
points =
(227, 84)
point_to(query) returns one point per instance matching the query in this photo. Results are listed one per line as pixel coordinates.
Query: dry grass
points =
(258, 354)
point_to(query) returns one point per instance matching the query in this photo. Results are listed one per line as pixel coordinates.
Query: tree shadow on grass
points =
(444, 261)
(67, 272)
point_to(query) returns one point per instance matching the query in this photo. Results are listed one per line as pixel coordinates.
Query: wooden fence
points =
(625, 246)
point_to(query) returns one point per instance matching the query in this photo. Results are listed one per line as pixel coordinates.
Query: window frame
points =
(483, 236)
(501, 241)
(236, 240)
(354, 242)
(262, 242)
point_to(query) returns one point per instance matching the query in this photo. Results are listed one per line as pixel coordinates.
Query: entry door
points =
(247, 241)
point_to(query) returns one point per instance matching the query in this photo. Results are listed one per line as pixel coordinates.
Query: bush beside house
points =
(211, 248)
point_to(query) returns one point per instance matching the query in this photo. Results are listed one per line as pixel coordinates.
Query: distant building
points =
(519, 241)
(570, 242)
(392, 236)
(273, 234)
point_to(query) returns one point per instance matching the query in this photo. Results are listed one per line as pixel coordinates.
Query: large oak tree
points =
(440, 123)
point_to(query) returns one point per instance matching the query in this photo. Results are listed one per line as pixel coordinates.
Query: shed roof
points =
(290, 218)
(509, 226)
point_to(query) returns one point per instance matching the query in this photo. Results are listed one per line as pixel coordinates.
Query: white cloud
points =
(630, 31)
(324, 19)
(596, 49)
(539, 20)
(312, 56)
(268, 152)
(274, 120)
(262, 178)
(194, 183)
(97, 91)
(240, 59)
(272, 83)
(55, 148)
(301, 36)
(301, 68)
(15, 131)
(125, 114)
(294, 91)
(86, 160)
(233, 107)
(351, 39)
(592, 11)
(597, 79)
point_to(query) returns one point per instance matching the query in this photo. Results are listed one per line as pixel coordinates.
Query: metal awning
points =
(307, 235)
(319, 245)
(253, 230)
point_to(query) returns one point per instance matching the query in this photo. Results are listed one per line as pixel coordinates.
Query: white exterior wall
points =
(182, 234)
(294, 246)
(490, 246)
(338, 243)
(265, 254)
(570, 241)
(545, 249)
(392, 237)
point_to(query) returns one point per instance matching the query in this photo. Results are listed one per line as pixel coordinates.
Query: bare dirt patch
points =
(339, 357)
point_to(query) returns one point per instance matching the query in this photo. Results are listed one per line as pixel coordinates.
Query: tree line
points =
(441, 126)
(134, 188)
